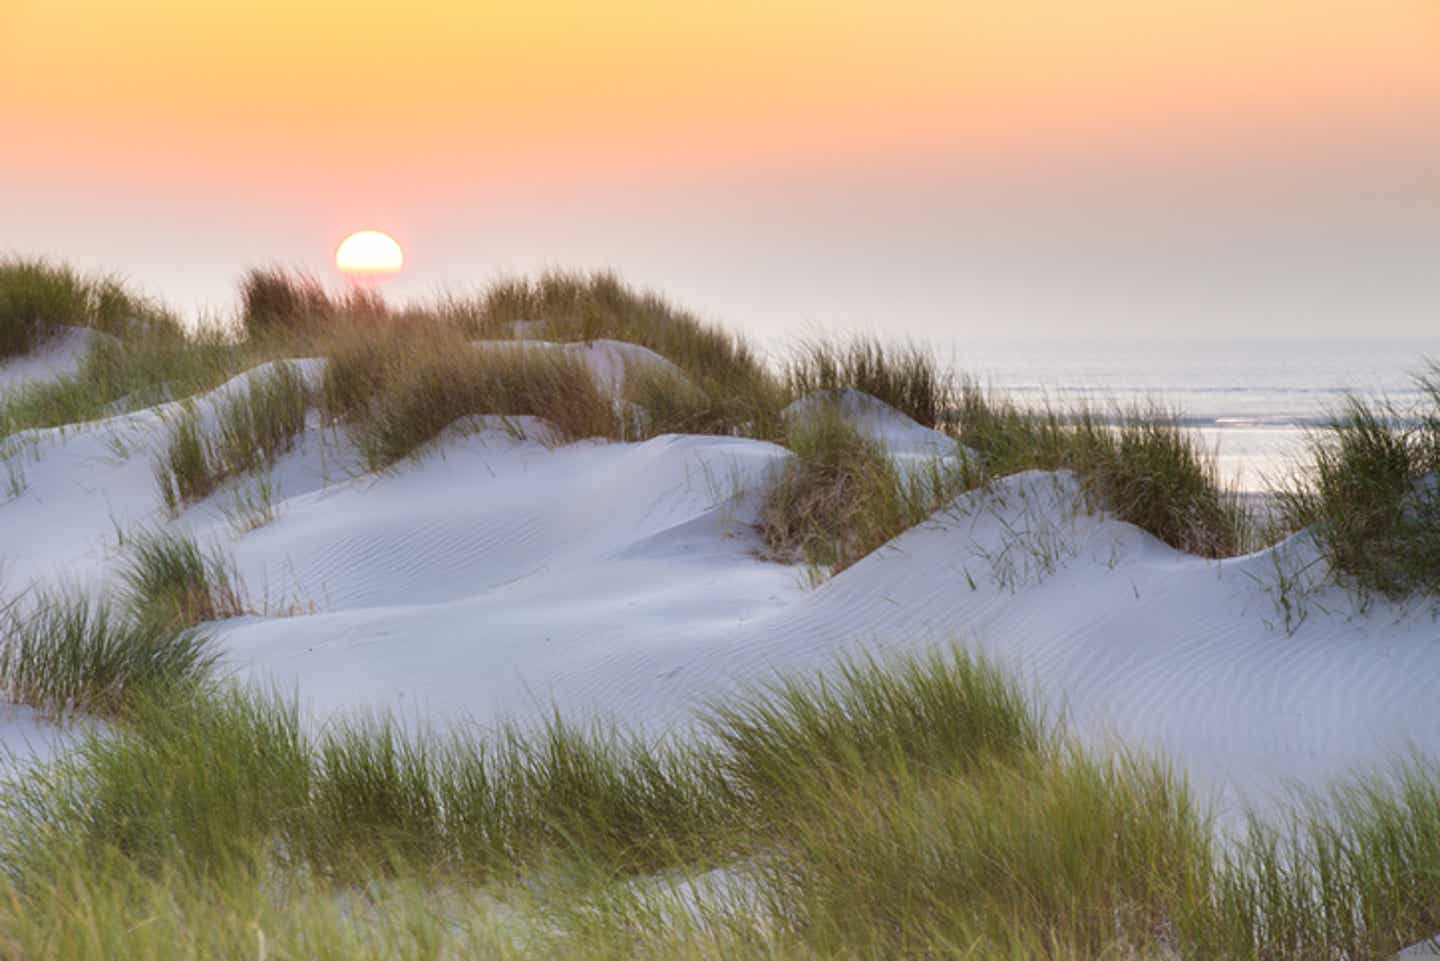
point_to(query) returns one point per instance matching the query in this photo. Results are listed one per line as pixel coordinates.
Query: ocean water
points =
(1252, 400)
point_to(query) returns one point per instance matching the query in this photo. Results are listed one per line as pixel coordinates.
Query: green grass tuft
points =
(183, 472)
(171, 581)
(1372, 496)
(910, 811)
(144, 370)
(255, 426)
(200, 778)
(1054, 855)
(840, 496)
(1138, 463)
(945, 712)
(77, 654)
(664, 401)
(38, 297)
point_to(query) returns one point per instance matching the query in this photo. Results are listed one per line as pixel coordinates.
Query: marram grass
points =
(840, 495)
(389, 369)
(171, 580)
(68, 653)
(904, 809)
(38, 297)
(1372, 494)
(435, 389)
(252, 428)
(1138, 463)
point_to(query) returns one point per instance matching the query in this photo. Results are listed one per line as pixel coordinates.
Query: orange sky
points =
(405, 104)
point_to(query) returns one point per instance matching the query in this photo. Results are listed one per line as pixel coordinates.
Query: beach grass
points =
(69, 653)
(1371, 495)
(278, 299)
(432, 389)
(913, 808)
(1138, 463)
(253, 426)
(906, 375)
(573, 306)
(667, 401)
(38, 297)
(115, 376)
(840, 495)
(172, 581)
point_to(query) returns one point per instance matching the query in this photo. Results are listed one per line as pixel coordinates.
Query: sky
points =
(970, 168)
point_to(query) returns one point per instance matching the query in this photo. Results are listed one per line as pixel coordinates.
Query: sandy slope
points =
(499, 576)
(57, 357)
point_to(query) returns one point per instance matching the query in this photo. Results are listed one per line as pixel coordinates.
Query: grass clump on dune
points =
(1372, 497)
(1348, 874)
(170, 580)
(906, 376)
(37, 298)
(840, 496)
(425, 392)
(183, 472)
(254, 426)
(570, 306)
(664, 401)
(209, 777)
(276, 302)
(940, 712)
(258, 425)
(77, 654)
(1139, 464)
(1058, 855)
(142, 370)
(196, 779)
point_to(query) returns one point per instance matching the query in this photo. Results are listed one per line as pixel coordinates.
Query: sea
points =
(1253, 401)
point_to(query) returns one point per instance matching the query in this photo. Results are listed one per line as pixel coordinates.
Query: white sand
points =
(58, 356)
(499, 576)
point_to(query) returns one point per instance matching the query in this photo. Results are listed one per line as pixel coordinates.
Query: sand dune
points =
(500, 575)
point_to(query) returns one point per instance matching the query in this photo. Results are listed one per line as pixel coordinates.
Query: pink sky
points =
(1033, 167)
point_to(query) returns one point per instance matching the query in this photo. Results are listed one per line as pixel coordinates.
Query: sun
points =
(369, 253)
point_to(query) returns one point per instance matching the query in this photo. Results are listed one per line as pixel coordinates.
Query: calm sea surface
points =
(1252, 399)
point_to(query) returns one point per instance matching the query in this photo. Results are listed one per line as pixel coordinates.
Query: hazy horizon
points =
(941, 170)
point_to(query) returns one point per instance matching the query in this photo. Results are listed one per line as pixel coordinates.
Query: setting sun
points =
(369, 252)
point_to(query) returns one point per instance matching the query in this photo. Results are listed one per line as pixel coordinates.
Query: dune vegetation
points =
(1372, 493)
(841, 495)
(252, 428)
(69, 654)
(912, 809)
(396, 377)
(893, 808)
(38, 298)
(172, 581)
(1137, 463)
